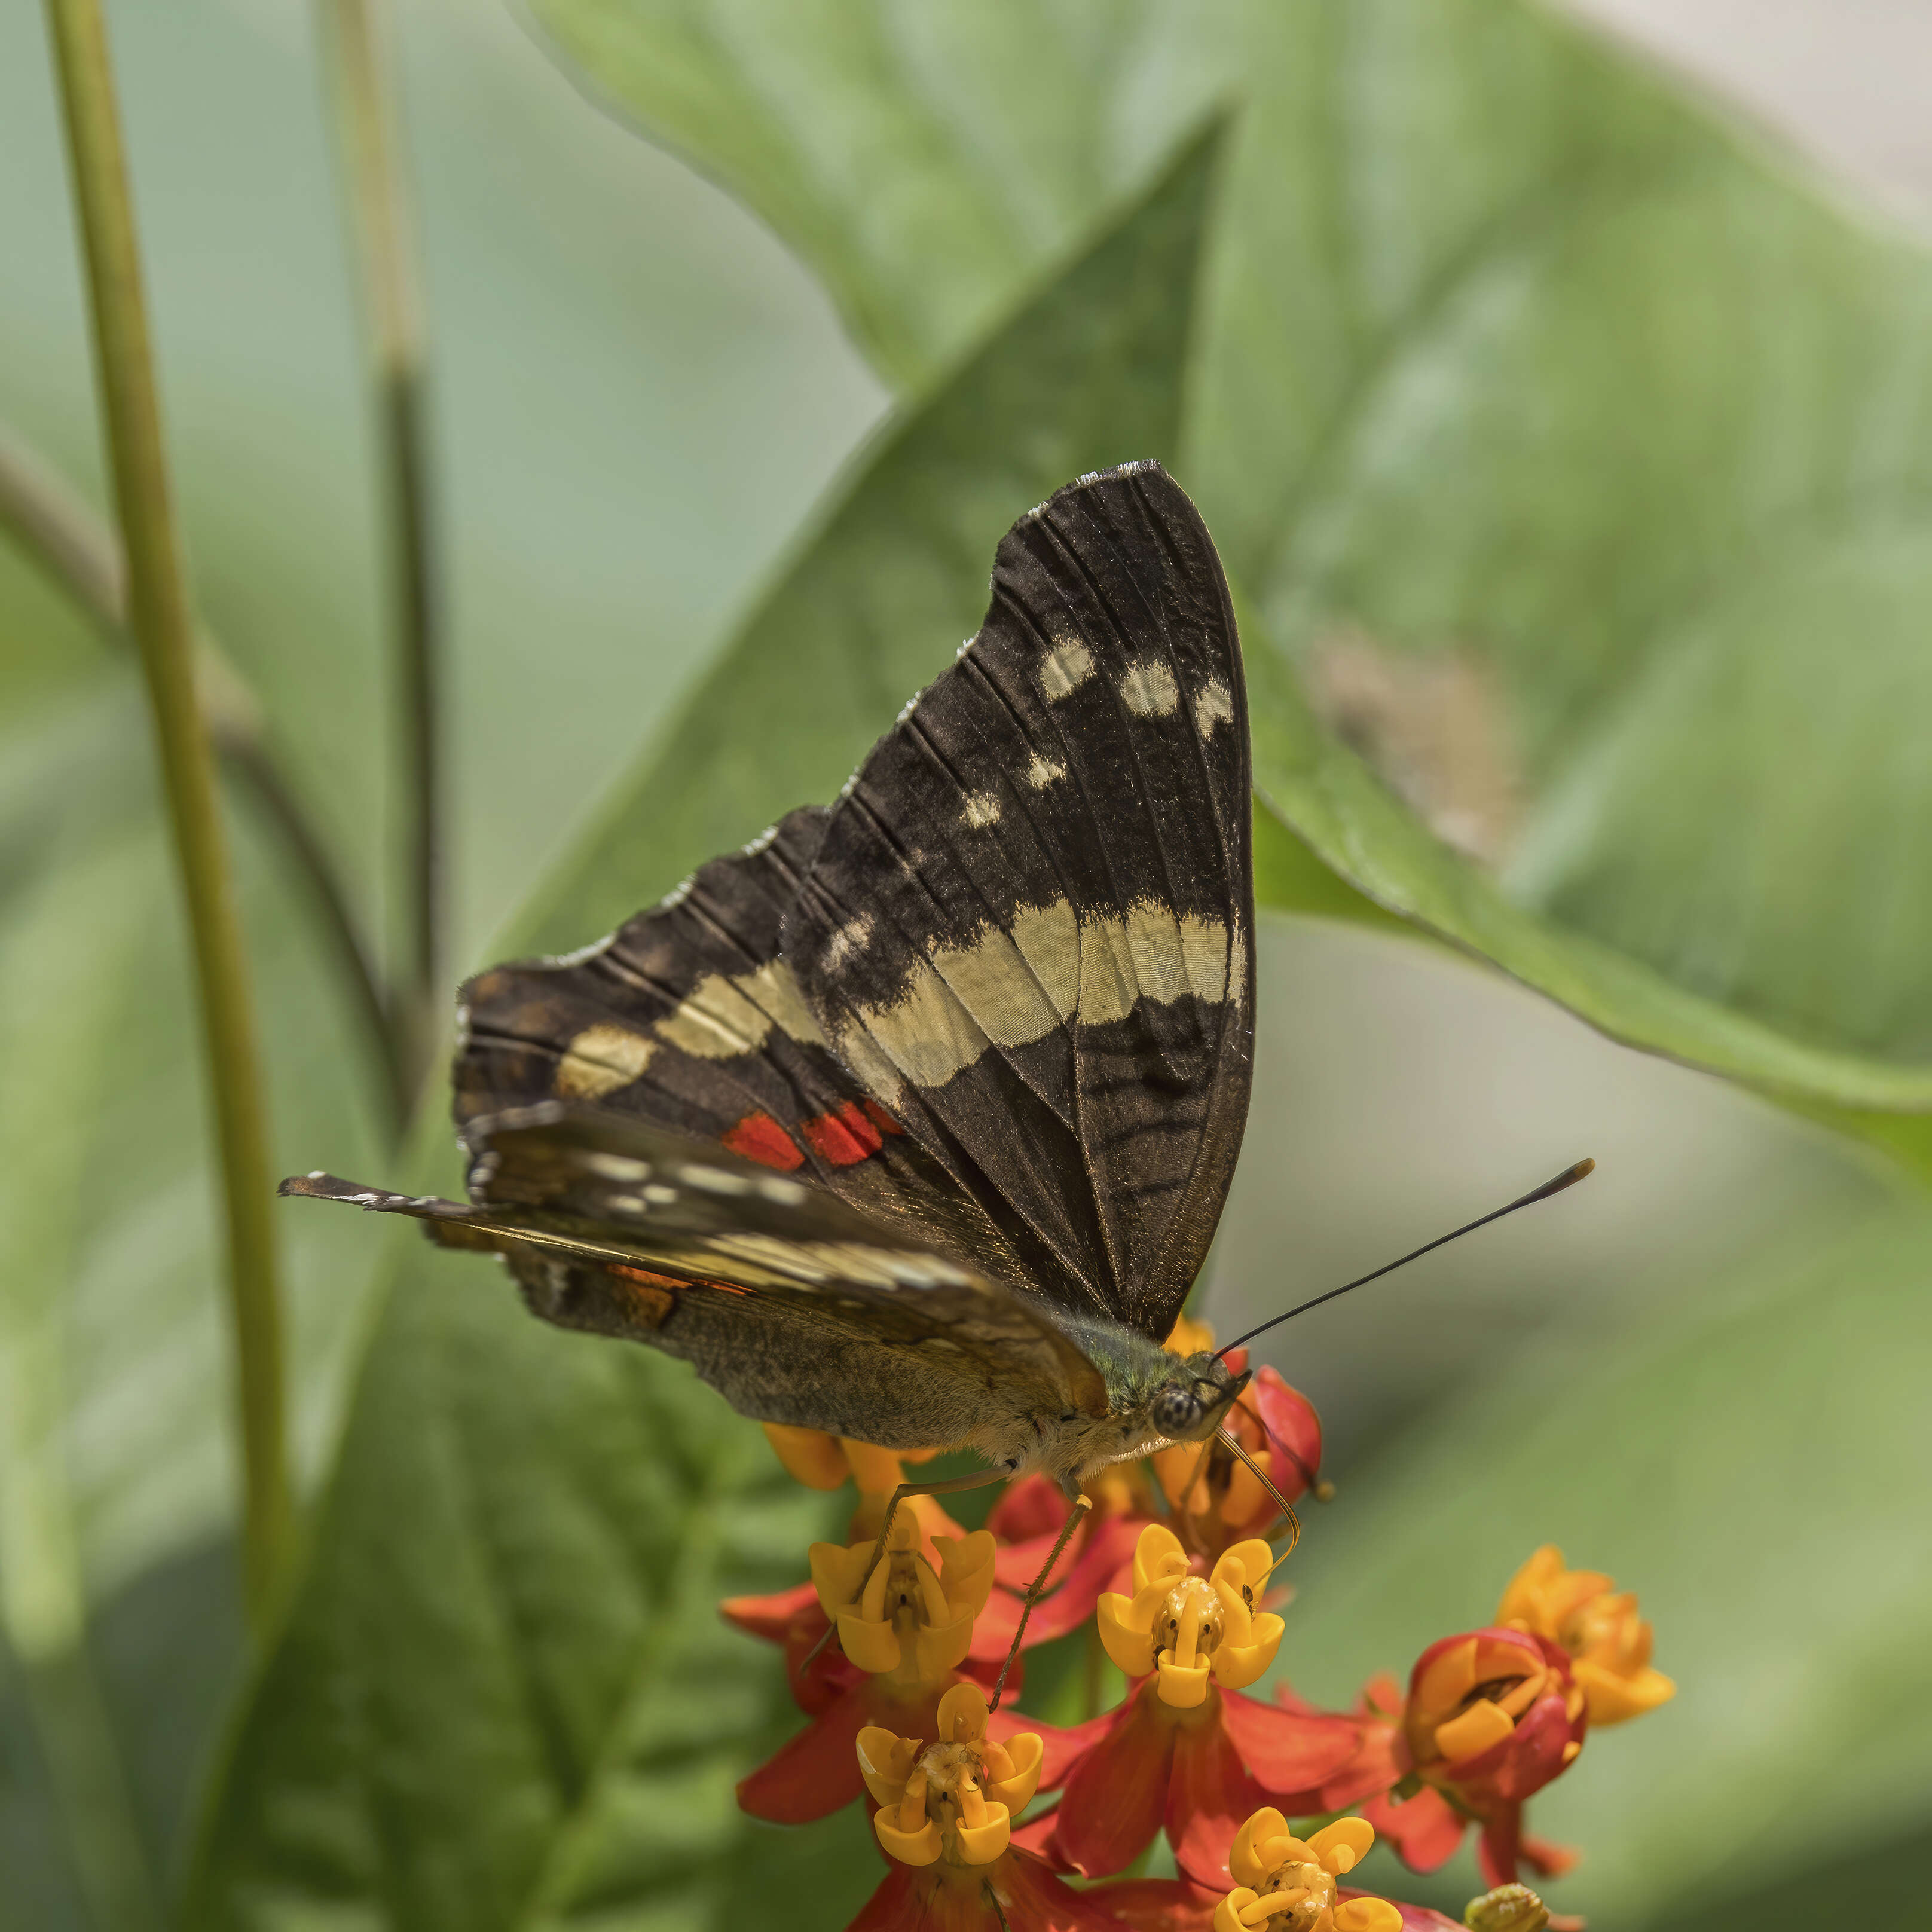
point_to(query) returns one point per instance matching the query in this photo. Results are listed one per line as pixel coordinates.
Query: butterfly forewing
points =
(687, 1018)
(1028, 926)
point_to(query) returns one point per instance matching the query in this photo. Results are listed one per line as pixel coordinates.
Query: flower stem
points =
(158, 616)
(392, 304)
(80, 554)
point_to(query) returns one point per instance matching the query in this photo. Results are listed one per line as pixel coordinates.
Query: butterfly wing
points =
(796, 1306)
(687, 1019)
(1027, 925)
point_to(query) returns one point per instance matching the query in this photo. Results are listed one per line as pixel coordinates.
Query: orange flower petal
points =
(1614, 1698)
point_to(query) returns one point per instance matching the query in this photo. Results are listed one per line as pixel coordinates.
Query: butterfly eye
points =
(1176, 1410)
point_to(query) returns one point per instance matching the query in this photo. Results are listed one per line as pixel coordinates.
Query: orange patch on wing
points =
(651, 1297)
(758, 1137)
(880, 1118)
(844, 1138)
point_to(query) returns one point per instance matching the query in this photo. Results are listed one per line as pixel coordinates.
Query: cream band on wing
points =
(1010, 988)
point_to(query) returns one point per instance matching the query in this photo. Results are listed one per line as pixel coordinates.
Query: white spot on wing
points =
(1148, 690)
(982, 809)
(1213, 706)
(713, 1180)
(1044, 771)
(600, 1060)
(1065, 668)
(620, 1167)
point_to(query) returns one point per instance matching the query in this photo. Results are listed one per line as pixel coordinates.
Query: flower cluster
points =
(893, 1643)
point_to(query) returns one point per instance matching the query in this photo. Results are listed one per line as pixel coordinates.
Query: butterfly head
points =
(1188, 1405)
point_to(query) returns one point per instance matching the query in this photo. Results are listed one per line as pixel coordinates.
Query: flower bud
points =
(1509, 1908)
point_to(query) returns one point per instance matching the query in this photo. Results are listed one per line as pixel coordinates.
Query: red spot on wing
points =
(880, 1118)
(844, 1138)
(758, 1137)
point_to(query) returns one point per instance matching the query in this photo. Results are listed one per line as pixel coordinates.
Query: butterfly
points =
(913, 1121)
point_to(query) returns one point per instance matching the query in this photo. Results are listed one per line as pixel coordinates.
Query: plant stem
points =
(80, 553)
(158, 616)
(379, 223)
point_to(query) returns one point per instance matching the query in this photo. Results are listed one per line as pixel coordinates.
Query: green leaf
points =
(1088, 374)
(501, 1697)
(1365, 837)
(1517, 367)
(1755, 1473)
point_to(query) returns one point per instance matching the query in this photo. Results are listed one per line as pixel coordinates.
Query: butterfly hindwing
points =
(796, 1306)
(1027, 925)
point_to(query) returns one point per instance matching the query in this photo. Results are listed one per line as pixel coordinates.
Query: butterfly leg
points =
(1036, 1590)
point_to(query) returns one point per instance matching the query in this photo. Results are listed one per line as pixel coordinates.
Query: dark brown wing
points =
(1028, 924)
(797, 1307)
(686, 1018)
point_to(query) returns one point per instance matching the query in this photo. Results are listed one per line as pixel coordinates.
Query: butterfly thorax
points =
(1154, 1398)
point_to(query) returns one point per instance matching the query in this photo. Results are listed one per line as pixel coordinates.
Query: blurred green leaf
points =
(1367, 838)
(115, 1432)
(1088, 374)
(1756, 1472)
(1516, 368)
(502, 1697)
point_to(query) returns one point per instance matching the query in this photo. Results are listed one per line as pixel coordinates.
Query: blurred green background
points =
(1567, 438)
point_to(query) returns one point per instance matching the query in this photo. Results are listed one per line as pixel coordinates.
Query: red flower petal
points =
(1289, 1753)
(1061, 1750)
(1293, 1429)
(1424, 1832)
(769, 1617)
(1156, 1904)
(1546, 1859)
(816, 1772)
(1035, 1900)
(894, 1906)
(1210, 1796)
(1032, 1507)
(1116, 1796)
(1104, 1562)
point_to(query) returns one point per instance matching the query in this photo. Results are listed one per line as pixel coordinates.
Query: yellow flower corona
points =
(1188, 1628)
(1291, 1882)
(898, 1615)
(954, 1799)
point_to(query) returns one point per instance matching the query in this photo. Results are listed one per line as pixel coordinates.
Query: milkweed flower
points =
(1186, 1751)
(947, 1801)
(1491, 1717)
(1607, 1642)
(1186, 1629)
(1291, 1883)
(904, 1629)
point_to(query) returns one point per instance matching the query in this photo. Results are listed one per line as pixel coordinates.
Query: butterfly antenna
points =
(1281, 1502)
(1568, 1177)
